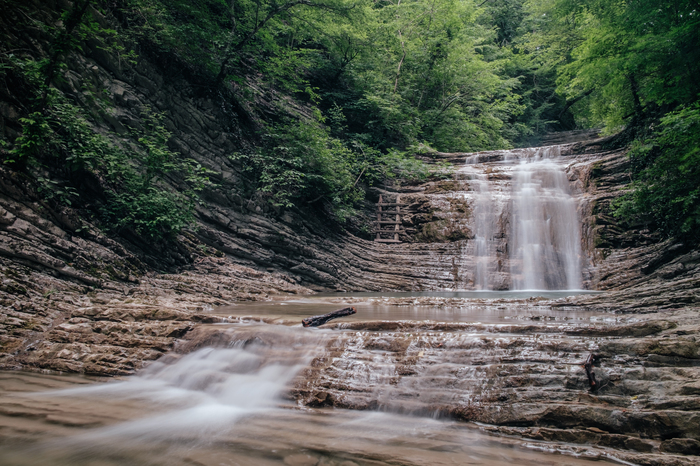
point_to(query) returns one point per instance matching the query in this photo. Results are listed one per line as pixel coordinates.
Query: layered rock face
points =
(55, 263)
(74, 299)
(515, 214)
(522, 377)
(524, 380)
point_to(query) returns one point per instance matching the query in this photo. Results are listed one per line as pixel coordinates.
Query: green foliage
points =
(140, 200)
(300, 163)
(132, 178)
(425, 80)
(400, 73)
(222, 36)
(345, 89)
(61, 146)
(634, 57)
(400, 165)
(633, 65)
(666, 193)
(34, 137)
(154, 213)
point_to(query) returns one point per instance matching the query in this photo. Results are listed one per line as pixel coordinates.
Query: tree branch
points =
(61, 46)
(570, 103)
(260, 24)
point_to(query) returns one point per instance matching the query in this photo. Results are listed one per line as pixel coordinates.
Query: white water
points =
(484, 230)
(542, 227)
(202, 394)
(546, 242)
(225, 406)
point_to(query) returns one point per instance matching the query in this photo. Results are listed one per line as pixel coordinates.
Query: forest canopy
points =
(361, 86)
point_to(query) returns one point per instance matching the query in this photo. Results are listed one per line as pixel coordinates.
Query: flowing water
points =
(483, 232)
(235, 395)
(439, 306)
(525, 224)
(259, 389)
(546, 240)
(216, 417)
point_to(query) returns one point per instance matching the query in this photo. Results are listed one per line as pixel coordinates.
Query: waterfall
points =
(545, 242)
(543, 246)
(483, 231)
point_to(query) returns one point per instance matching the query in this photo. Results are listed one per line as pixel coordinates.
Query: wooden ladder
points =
(396, 222)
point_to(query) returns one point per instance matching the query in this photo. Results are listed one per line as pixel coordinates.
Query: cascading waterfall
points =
(484, 231)
(545, 241)
(540, 223)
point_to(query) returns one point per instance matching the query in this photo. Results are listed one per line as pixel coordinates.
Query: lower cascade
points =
(253, 393)
(524, 196)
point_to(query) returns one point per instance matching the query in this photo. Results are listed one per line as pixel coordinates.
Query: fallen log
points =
(315, 321)
(588, 365)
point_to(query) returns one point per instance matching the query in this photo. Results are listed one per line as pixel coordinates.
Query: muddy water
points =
(236, 395)
(460, 306)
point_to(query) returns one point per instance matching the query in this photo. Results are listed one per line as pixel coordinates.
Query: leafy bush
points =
(60, 139)
(300, 163)
(666, 165)
(62, 148)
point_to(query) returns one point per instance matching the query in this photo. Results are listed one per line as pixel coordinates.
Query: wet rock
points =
(690, 389)
(300, 460)
(683, 446)
(72, 299)
(672, 271)
(633, 443)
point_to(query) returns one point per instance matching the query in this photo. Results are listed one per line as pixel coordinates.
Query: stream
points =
(234, 394)
(490, 375)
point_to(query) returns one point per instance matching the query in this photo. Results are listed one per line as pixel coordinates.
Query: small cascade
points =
(372, 390)
(484, 208)
(231, 374)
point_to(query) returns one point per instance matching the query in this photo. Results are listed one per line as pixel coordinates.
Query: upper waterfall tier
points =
(545, 234)
(526, 232)
(511, 155)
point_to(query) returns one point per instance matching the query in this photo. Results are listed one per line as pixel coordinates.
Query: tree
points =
(425, 79)
(637, 57)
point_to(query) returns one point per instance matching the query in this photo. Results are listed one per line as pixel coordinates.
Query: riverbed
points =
(175, 417)
(241, 392)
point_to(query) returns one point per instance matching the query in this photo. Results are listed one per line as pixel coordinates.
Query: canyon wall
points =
(74, 298)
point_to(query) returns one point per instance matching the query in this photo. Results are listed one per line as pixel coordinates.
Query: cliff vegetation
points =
(331, 97)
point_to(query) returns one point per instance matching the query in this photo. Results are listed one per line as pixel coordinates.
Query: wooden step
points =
(390, 204)
(394, 212)
(386, 241)
(388, 222)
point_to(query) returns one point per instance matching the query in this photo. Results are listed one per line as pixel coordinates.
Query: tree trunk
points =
(315, 321)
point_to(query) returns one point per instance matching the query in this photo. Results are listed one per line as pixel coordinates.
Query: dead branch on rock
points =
(315, 321)
(588, 365)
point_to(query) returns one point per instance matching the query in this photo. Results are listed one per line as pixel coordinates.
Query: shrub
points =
(666, 169)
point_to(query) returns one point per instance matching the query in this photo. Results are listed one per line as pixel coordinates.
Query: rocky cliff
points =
(76, 299)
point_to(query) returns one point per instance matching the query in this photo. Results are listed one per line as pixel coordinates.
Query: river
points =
(234, 395)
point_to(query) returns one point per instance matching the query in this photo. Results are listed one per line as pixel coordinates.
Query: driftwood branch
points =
(588, 365)
(315, 321)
